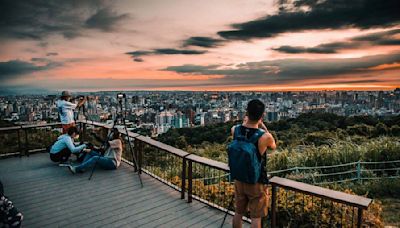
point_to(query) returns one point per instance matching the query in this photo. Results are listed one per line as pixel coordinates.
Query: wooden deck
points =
(50, 196)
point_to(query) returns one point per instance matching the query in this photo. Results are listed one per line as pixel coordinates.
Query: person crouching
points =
(111, 159)
(64, 146)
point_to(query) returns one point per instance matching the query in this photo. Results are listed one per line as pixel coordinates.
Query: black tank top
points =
(248, 132)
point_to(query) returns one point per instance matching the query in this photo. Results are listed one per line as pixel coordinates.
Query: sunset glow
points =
(200, 45)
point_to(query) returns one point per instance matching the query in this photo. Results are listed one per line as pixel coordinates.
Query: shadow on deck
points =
(50, 196)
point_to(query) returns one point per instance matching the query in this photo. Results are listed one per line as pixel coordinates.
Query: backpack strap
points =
(237, 135)
(256, 136)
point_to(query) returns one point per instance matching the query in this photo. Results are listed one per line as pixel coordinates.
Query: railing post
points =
(137, 147)
(359, 217)
(190, 179)
(26, 142)
(358, 170)
(19, 143)
(273, 209)
(183, 177)
(140, 157)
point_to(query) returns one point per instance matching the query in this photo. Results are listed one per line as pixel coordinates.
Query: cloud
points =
(299, 49)
(105, 19)
(52, 54)
(137, 59)
(38, 19)
(163, 51)
(201, 41)
(284, 71)
(328, 14)
(372, 39)
(16, 68)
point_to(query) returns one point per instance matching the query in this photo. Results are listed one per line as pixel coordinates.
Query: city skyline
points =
(270, 45)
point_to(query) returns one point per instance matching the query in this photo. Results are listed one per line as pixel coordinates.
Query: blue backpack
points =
(242, 157)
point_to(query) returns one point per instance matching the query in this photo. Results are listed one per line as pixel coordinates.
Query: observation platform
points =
(50, 196)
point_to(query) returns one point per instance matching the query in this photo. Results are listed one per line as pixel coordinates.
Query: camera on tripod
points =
(121, 96)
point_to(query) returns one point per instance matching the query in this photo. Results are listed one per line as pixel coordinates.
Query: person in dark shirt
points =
(253, 196)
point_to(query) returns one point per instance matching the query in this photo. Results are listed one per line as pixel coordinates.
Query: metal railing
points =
(353, 171)
(207, 180)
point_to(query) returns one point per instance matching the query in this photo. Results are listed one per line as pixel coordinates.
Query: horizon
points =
(229, 45)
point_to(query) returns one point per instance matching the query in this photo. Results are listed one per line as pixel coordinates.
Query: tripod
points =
(120, 117)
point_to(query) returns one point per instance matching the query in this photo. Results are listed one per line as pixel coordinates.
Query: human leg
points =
(241, 202)
(106, 163)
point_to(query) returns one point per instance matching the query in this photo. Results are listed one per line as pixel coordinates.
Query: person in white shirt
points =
(64, 146)
(66, 110)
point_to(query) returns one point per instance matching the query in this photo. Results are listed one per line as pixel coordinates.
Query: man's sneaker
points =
(72, 169)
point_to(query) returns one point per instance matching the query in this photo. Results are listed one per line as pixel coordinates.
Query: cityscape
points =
(156, 112)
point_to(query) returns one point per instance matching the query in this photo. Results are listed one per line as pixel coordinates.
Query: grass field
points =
(391, 211)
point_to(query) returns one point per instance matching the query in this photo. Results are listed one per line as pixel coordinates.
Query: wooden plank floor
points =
(50, 196)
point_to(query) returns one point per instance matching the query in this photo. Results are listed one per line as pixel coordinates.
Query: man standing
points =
(66, 110)
(250, 142)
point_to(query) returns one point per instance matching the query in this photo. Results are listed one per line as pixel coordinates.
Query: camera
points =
(121, 95)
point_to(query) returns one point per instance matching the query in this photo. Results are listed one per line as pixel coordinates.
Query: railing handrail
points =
(181, 153)
(29, 126)
(336, 196)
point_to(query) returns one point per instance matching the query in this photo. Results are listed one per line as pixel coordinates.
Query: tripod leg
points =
(132, 152)
(227, 211)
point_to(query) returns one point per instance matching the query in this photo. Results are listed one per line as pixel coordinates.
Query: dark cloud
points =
(201, 41)
(299, 49)
(16, 68)
(372, 39)
(137, 59)
(37, 19)
(367, 81)
(163, 51)
(105, 19)
(40, 60)
(52, 54)
(288, 70)
(328, 14)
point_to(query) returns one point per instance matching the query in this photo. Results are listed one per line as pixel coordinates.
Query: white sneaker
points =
(72, 169)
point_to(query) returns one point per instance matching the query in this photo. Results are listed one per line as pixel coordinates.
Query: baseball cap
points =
(66, 94)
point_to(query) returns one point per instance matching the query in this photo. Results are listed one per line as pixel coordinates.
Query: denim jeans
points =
(91, 159)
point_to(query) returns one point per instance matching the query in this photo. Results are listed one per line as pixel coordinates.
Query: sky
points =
(224, 45)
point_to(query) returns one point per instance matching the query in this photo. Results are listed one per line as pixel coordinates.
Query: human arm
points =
(81, 102)
(115, 144)
(70, 144)
(266, 141)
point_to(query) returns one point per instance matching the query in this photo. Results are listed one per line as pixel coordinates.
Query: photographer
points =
(111, 159)
(247, 165)
(66, 110)
(64, 146)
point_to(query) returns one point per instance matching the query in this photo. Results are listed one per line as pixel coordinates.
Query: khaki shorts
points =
(252, 197)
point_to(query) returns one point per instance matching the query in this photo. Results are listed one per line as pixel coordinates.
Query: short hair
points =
(72, 130)
(255, 110)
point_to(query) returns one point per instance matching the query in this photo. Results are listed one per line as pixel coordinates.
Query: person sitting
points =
(10, 216)
(64, 146)
(111, 159)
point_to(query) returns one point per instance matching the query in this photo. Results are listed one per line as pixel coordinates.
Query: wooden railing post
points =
(273, 209)
(359, 217)
(26, 142)
(136, 148)
(183, 177)
(140, 156)
(19, 143)
(190, 179)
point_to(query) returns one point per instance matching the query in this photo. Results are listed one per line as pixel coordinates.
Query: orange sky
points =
(96, 59)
